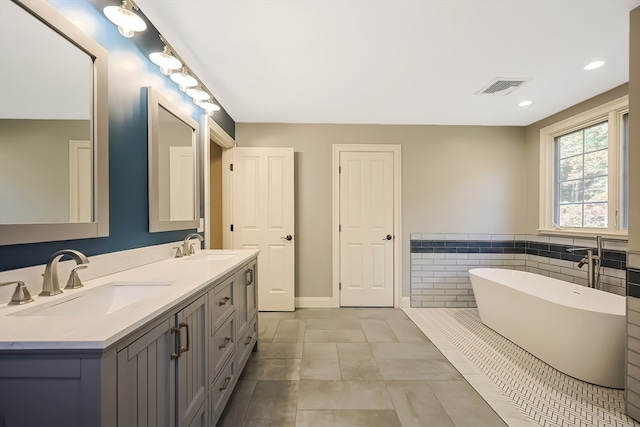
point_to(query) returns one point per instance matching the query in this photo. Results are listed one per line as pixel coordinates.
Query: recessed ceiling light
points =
(593, 65)
(525, 103)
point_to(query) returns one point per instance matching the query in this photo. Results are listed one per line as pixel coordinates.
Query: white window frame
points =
(612, 112)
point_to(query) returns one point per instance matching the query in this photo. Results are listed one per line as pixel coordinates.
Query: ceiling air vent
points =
(502, 86)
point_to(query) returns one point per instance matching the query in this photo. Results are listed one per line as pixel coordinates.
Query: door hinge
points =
(339, 169)
(231, 167)
(339, 228)
(339, 286)
(231, 227)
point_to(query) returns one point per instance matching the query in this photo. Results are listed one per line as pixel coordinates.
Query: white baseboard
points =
(314, 302)
(405, 302)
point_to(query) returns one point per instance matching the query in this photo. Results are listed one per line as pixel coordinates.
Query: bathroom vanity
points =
(161, 344)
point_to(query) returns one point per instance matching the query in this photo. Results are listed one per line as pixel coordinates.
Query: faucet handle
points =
(178, 252)
(74, 281)
(192, 250)
(21, 295)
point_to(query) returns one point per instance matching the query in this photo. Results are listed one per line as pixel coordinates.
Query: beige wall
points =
(533, 149)
(634, 135)
(455, 179)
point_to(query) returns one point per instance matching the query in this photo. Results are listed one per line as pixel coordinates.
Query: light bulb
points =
(127, 21)
(165, 70)
(127, 32)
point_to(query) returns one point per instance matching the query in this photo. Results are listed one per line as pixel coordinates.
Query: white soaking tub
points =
(578, 330)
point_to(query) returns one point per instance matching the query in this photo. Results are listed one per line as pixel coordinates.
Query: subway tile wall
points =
(440, 263)
(632, 390)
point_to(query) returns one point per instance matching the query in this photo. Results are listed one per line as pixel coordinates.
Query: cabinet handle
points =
(248, 340)
(223, 301)
(186, 326)
(249, 277)
(227, 340)
(227, 380)
(175, 355)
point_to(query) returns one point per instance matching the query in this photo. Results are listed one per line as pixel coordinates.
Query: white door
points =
(181, 184)
(263, 218)
(367, 228)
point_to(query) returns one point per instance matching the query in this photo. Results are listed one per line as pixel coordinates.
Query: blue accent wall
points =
(129, 71)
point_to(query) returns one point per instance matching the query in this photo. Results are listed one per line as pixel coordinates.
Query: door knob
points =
(287, 237)
(389, 237)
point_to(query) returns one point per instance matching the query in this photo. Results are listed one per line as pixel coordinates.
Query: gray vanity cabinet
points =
(177, 370)
(162, 374)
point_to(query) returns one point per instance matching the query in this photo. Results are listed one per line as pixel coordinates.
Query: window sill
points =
(622, 235)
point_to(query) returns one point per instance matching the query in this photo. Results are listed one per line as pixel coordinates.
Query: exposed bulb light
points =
(209, 106)
(593, 65)
(165, 61)
(198, 94)
(183, 79)
(127, 21)
(525, 103)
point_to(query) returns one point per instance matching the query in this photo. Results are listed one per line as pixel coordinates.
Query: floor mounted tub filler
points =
(578, 330)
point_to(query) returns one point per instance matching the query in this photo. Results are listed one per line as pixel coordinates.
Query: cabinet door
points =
(146, 380)
(246, 301)
(192, 363)
(251, 282)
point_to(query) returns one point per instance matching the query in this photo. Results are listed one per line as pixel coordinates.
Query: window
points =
(584, 172)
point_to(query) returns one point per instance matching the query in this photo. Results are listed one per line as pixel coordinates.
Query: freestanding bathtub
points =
(578, 330)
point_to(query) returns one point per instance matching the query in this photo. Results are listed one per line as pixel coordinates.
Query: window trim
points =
(612, 112)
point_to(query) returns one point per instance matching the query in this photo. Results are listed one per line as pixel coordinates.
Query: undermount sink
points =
(208, 256)
(103, 300)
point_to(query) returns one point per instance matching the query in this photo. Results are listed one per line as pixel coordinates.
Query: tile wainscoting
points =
(632, 391)
(440, 263)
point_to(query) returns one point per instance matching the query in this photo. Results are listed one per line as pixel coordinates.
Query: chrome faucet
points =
(186, 249)
(592, 261)
(51, 284)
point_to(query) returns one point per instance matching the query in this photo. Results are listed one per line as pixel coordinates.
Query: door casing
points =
(397, 215)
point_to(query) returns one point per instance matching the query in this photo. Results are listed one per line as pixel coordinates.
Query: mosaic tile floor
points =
(545, 396)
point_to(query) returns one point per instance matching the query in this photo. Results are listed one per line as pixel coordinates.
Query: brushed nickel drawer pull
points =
(248, 340)
(175, 355)
(227, 380)
(223, 301)
(186, 326)
(249, 277)
(226, 341)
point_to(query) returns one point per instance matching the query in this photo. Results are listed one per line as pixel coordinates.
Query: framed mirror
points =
(174, 196)
(54, 175)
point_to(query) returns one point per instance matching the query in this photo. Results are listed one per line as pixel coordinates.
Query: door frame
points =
(211, 131)
(396, 149)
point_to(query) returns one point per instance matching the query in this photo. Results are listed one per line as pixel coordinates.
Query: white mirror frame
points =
(154, 101)
(11, 234)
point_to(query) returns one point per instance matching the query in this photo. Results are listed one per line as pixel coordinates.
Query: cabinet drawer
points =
(246, 343)
(222, 389)
(222, 302)
(221, 346)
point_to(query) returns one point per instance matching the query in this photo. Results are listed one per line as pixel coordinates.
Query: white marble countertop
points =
(57, 329)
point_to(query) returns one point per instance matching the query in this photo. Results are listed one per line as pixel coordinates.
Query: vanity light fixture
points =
(525, 103)
(165, 61)
(593, 65)
(198, 94)
(127, 21)
(183, 79)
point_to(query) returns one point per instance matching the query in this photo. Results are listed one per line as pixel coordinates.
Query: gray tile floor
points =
(351, 367)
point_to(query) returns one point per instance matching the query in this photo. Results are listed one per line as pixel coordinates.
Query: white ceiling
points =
(397, 62)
